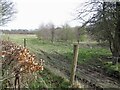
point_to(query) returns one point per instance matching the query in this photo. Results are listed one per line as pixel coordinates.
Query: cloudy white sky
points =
(32, 13)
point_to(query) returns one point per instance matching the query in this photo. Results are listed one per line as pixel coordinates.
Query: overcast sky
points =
(32, 13)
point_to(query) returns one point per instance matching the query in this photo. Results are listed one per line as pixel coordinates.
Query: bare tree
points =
(52, 28)
(46, 32)
(6, 11)
(103, 19)
(79, 32)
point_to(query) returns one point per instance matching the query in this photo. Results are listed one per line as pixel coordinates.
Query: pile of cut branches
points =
(19, 66)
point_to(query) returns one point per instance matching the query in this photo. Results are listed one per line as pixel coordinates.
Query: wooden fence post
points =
(74, 64)
(24, 42)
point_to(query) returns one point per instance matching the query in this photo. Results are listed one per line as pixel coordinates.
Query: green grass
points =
(51, 81)
(111, 67)
(18, 38)
(86, 54)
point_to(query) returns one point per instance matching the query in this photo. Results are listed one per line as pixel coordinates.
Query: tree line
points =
(63, 33)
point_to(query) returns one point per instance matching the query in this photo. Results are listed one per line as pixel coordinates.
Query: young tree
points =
(79, 33)
(52, 30)
(67, 33)
(46, 32)
(43, 32)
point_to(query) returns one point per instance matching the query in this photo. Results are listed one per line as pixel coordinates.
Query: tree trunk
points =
(109, 35)
(116, 42)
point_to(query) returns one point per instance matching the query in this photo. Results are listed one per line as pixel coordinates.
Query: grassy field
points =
(87, 50)
(89, 53)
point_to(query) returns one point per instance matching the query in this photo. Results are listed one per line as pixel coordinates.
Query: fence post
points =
(24, 42)
(74, 63)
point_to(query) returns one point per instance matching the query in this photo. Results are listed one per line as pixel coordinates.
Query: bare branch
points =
(6, 11)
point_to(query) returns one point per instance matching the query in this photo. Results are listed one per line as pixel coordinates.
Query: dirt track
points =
(89, 74)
